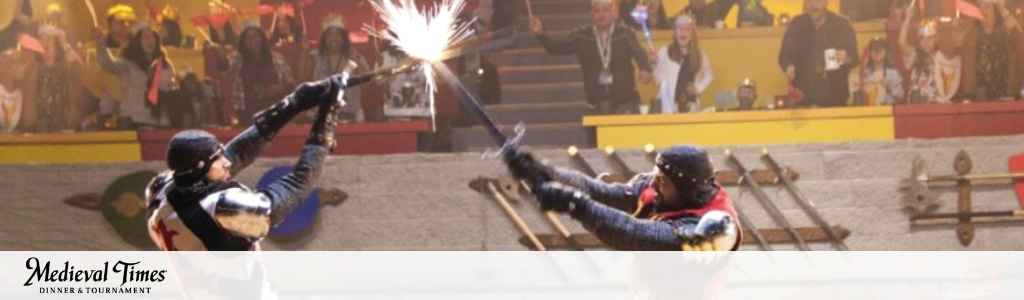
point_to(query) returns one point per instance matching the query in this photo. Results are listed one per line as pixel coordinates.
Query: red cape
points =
(721, 202)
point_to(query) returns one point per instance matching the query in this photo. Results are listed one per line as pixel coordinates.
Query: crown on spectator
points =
(683, 19)
(928, 29)
(748, 82)
(121, 12)
(334, 21)
(53, 8)
(218, 6)
(251, 23)
(170, 13)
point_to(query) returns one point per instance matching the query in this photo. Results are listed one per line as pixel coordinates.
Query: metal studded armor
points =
(707, 221)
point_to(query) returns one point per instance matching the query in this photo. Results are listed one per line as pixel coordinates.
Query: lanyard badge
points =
(604, 49)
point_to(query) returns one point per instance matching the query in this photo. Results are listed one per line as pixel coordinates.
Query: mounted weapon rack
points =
(922, 200)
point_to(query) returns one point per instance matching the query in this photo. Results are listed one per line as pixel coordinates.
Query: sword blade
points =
(805, 203)
(470, 102)
(766, 201)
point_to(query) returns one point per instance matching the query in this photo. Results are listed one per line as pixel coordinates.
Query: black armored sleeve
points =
(624, 232)
(288, 192)
(619, 195)
(247, 146)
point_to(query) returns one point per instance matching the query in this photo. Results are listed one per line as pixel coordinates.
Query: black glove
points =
(554, 196)
(308, 95)
(326, 122)
(522, 165)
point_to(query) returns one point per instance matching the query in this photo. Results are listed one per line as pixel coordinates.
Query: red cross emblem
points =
(166, 236)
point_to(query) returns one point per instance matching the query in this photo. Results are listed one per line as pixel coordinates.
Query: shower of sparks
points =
(423, 35)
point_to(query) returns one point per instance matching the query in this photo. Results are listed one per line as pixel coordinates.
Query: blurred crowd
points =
(970, 55)
(125, 77)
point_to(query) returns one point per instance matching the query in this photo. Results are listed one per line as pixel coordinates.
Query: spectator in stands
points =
(656, 17)
(750, 12)
(120, 21)
(606, 51)
(682, 70)
(223, 34)
(170, 29)
(106, 89)
(21, 21)
(819, 49)
(746, 94)
(707, 14)
(878, 82)
(55, 70)
(220, 28)
(287, 29)
(753, 13)
(204, 98)
(52, 16)
(893, 27)
(335, 55)
(262, 77)
(184, 111)
(992, 48)
(147, 74)
(934, 75)
(11, 93)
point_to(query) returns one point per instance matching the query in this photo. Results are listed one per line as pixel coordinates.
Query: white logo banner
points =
(511, 275)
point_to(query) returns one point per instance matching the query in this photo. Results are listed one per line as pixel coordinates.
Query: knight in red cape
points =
(677, 206)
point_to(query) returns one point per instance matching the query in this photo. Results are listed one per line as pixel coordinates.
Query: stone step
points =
(558, 135)
(547, 8)
(529, 57)
(539, 113)
(561, 22)
(542, 93)
(540, 74)
(528, 40)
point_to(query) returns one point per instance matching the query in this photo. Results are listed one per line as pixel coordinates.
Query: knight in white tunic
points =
(196, 205)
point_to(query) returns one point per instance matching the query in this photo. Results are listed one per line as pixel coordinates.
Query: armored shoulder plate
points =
(157, 185)
(242, 212)
(154, 193)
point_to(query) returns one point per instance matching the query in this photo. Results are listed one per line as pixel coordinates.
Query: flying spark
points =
(424, 35)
